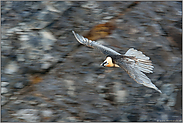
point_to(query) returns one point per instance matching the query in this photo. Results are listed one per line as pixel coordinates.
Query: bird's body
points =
(110, 61)
(133, 62)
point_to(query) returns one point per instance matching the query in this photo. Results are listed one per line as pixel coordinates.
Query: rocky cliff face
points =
(46, 75)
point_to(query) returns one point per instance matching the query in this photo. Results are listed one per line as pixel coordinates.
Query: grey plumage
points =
(136, 66)
(133, 62)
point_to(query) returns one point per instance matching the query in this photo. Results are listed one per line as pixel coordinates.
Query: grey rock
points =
(43, 105)
(4, 90)
(143, 118)
(90, 5)
(147, 34)
(160, 9)
(19, 85)
(102, 95)
(69, 101)
(7, 94)
(48, 57)
(107, 17)
(147, 95)
(29, 115)
(37, 24)
(133, 117)
(72, 110)
(13, 98)
(101, 88)
(4, 113)
(11, 68)
(155, 28)
(47, 39)
(12, 30)
(91, 114)
(31, 53)
(69, 119)
(90, 78)
(124, 118)
(47, 113)
(59, 6)
(17, 102)
(4, 78)
(48, 61)
(33, 102)
(20, 57)
(63, 115)
(172, 99)
(120, 95)
(3, 99)
(71, 87)
(4, 61)
(24, 37)
(164, 117)
(46, 65)
(105, 119)
(4, 84)
(167, 89)
(46, 16)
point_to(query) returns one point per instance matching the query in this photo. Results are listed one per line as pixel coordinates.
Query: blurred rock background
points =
(47, 76)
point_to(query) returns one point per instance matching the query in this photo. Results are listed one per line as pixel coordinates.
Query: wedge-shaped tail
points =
(142, 62)
(135, 63)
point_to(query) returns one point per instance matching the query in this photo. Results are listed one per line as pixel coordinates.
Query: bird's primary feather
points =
(105, 50)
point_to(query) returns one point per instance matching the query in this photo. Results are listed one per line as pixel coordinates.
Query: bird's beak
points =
(102, 64)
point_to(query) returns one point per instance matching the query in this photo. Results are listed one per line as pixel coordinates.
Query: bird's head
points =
(108, 62)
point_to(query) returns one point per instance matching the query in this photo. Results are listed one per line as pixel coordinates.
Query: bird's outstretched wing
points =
(105, 50)
(135, 63)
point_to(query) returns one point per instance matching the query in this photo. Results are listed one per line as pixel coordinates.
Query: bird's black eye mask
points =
(103, 63)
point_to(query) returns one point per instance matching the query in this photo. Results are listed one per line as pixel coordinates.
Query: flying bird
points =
(134, 62)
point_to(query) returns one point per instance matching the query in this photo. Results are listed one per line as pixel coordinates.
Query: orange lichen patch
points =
(46, 118)
(108, 71)
(100, 31)
(38, 94)
(36, 79)
(177, 42)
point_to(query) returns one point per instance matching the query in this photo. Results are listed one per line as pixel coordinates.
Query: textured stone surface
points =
(28, 115)
(48, 77)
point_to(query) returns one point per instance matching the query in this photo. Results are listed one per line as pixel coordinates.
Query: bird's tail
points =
(143, 63)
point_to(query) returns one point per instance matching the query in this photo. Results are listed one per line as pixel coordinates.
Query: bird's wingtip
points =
(74, 34)
(159, 91)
